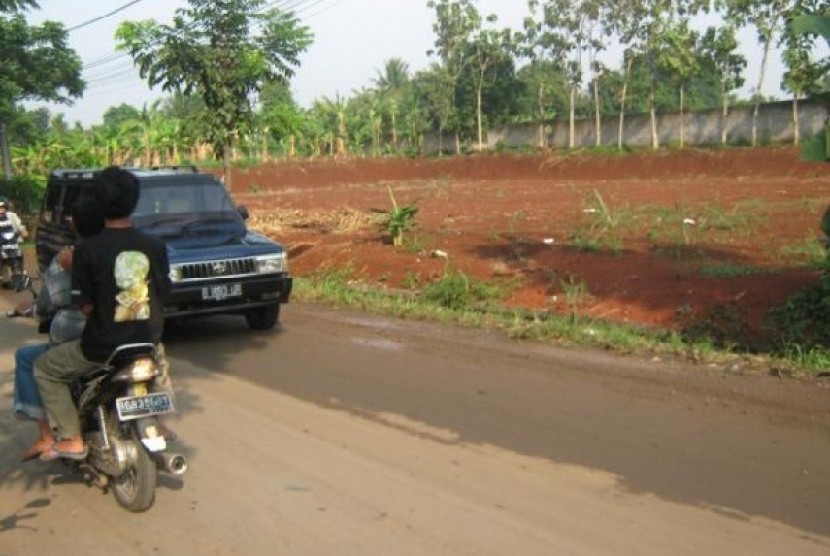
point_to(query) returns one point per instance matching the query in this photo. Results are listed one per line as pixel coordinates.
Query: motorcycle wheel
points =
(135, 489)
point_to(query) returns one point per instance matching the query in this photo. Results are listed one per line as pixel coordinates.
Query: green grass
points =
(727, 270)
(458, 300)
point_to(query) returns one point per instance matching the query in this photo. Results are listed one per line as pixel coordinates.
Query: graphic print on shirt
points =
(132, 301)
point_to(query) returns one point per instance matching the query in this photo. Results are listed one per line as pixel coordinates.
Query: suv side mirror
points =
(243, 212)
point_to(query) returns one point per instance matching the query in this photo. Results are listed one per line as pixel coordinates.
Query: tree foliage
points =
(225, 51)
(36, 63)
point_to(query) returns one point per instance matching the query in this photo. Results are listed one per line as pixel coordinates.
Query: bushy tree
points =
(225, 51)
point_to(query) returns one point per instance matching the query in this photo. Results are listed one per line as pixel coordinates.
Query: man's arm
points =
(82, 286)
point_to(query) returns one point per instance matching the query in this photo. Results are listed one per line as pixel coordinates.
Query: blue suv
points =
(217, 265)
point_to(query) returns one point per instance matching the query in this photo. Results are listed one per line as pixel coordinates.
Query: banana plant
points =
(400, 219)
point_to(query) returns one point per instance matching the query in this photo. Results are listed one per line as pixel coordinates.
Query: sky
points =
(353, 40)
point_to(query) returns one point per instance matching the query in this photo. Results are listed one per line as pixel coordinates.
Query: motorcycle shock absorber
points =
(102, 425)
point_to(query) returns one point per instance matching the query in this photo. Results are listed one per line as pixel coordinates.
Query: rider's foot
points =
(70, 448)
(37, 448)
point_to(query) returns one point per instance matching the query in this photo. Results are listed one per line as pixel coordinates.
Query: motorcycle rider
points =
(12, 233)
(52, 306)
(119, 279)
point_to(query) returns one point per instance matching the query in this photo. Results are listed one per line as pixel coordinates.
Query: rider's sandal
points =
(53, 453)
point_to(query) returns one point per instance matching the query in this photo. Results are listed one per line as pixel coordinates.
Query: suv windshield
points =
(183, 199)
(185, 208)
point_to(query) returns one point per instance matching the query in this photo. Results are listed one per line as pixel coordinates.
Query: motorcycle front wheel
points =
(135, 489)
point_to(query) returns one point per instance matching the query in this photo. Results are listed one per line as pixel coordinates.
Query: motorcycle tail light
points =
(140, 370)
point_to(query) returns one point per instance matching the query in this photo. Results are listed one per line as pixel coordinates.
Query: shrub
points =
(24, 192)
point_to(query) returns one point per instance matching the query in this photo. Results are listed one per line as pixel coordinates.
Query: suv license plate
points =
(143, 406)
(221, 292)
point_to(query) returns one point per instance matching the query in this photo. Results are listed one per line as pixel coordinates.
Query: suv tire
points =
(263, 318)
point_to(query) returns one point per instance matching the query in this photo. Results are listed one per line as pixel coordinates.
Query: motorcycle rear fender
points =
(149, 432)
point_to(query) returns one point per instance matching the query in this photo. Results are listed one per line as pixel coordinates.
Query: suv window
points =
(176, 198)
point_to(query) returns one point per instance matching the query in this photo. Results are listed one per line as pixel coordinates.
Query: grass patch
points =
(458, 300)
(727, 270)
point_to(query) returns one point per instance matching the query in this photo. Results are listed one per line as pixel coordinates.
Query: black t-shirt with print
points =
(124, 274)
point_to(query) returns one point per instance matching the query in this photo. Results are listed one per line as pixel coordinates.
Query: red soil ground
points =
(700, 236)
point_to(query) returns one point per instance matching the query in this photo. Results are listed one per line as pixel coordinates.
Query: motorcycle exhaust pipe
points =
(175, 464)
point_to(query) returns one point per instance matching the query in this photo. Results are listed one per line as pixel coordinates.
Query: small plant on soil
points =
(455, 290)
(400, 219)
(809, 252)
(576, 292)
(601, 228)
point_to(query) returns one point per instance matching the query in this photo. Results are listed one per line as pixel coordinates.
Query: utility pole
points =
(4, 151)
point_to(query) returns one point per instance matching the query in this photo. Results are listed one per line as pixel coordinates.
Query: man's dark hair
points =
(118, 192)
(87, 216)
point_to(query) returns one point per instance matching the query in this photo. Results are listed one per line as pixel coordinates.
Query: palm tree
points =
(392, 83)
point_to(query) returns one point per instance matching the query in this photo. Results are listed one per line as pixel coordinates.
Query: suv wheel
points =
(263, 318)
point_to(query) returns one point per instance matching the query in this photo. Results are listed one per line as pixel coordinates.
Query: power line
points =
(104, 16)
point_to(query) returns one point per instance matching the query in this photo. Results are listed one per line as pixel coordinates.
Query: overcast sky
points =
(353, 39)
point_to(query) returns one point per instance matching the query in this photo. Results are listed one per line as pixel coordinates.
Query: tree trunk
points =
(724, 116)
(572, 117)
(541, 96)
(682, 119)
(265, 146)
(226, 163)
(457, 143)
(796, 130)
(341, 135)
(478, 120)
(761, 76)
(622, 106)
(394, 132)
(5, 152)
(655, 140)
(596, 113)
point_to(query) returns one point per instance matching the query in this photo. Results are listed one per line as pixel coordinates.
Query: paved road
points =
(350, 434)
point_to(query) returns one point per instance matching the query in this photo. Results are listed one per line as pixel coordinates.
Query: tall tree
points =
(488, 47)
(392, 84)
(568, 30)
(719, 52)
(768, 17)
(223, 50)
(680, 56)
(455, 22)
(804, 72)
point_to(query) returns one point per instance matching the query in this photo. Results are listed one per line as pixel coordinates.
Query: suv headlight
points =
(269, 264)
(175, 273)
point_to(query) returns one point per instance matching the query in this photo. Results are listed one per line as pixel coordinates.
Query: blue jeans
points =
(27, 402)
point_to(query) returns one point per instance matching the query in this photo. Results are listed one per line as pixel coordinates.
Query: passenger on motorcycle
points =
(119, 280)
(54, 309)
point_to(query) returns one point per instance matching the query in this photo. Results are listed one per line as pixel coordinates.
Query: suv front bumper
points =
(201, 298)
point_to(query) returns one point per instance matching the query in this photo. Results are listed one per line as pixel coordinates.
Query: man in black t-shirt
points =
(119, 280)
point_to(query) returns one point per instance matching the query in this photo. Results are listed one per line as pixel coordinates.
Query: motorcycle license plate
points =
(221, 292)
(136, 407)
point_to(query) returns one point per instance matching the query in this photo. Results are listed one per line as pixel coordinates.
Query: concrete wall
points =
(775, 124)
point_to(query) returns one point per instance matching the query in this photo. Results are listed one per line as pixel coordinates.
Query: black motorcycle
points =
(119, 409)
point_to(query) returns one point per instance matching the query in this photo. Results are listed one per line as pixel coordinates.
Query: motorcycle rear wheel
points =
(135, 489)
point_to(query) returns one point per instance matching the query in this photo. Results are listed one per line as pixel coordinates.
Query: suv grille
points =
(217, 269)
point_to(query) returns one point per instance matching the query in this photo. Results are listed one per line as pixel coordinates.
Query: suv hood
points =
(216, 248)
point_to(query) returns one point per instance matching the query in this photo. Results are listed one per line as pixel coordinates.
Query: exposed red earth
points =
(697, 235)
